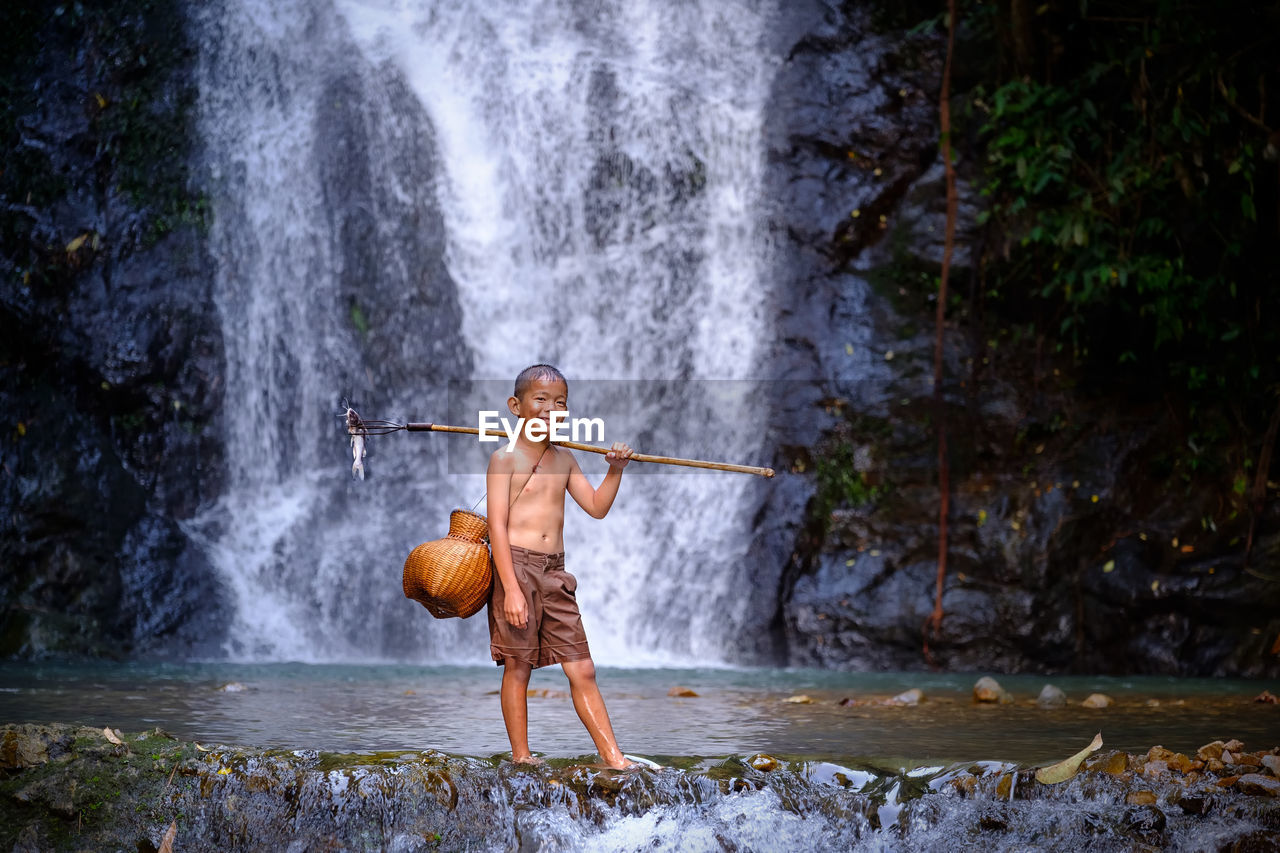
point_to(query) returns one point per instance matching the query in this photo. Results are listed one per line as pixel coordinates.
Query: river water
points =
(346, 708)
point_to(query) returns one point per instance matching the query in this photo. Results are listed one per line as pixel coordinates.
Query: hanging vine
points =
(934, 623)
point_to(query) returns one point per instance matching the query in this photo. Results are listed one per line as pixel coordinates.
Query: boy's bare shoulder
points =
(502, 461)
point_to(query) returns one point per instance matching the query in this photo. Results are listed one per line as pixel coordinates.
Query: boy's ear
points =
(513, 405)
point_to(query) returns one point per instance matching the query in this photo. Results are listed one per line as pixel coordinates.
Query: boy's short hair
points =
(535, 372)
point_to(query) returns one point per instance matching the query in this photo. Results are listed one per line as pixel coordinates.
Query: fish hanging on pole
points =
(358, 433)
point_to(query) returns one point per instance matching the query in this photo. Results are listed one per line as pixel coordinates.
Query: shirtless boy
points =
(533, 613)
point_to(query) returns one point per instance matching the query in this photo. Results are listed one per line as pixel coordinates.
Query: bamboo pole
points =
(767, 473)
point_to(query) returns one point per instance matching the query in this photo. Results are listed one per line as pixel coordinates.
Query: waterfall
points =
(411, 197)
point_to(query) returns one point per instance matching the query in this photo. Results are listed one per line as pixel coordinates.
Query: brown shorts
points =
(554, 632)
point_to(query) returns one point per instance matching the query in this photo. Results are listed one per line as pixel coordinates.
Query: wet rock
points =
(1260, 841)
(1113, 763)
(1051, 697)
(1272, 763)
(1233, 745)
(993, 819)
(1210, 750)
(33, 745)
(801, 699)
(1015, 785)
(911, 697)
(1169, 759)
(682, 692)
(1256, 783)
(987, 690)
(1197, 805)
(1147, 822)
(236, 798)
(1097, 700)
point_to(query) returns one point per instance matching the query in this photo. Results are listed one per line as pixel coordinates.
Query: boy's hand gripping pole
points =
(635, 457)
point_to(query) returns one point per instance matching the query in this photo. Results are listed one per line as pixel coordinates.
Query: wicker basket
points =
(452, 576)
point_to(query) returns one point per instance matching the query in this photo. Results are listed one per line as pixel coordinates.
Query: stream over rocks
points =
(65, 787)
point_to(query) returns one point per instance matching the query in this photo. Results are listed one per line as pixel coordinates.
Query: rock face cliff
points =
(1069, 549)
(110, 351)
(1072, 545)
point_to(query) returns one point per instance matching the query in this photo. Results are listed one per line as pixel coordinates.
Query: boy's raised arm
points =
(498, 483)
(597, 502)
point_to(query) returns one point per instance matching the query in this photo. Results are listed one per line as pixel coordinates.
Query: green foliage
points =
(840, 483)
(359, 320)
(1132, 211)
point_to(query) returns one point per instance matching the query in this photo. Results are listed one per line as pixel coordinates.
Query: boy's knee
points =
(517, 671)
(584, 670)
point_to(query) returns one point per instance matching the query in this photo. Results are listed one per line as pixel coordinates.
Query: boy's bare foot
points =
(621, 764)
(530, 760)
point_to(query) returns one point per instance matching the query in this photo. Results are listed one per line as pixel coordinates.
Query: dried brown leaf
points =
(166, 843)
(1064, 770)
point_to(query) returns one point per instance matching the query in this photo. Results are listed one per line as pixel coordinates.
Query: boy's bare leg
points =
(515, 708)
(589, 704)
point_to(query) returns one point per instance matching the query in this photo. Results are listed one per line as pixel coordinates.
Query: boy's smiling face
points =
(540, 399)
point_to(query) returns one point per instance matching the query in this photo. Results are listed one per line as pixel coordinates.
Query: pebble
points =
(1051, 697)
(1097, 700)
(987, 689)
(802, 699)
(1141, 798)
(1210, 751)
(911, 697)
(1173, 760)
(1244, 759)
(1272, 763)
(682, 692)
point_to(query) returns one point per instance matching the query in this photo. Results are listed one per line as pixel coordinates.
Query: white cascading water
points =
(596, 167)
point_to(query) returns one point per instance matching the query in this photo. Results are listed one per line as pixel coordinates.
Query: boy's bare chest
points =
(543, 489)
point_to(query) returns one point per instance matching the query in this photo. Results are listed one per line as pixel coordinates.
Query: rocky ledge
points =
(70, 788)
